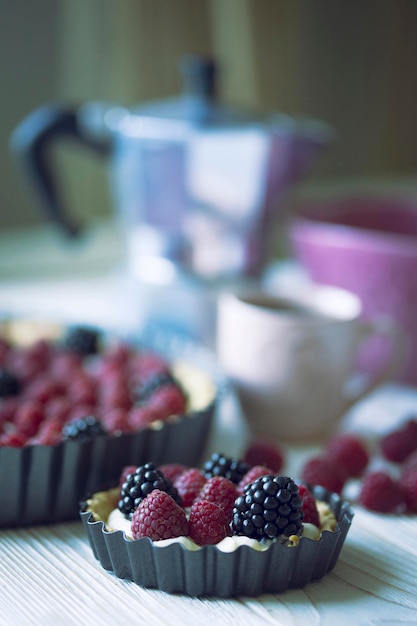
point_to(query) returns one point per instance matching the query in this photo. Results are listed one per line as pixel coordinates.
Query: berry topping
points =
(141, 483)
(253, 474)
(266, 453)
(324, 471)
(168, 400)
(189, 485)
(220, 465)
(83, 428)
(158, 516)
(173, 470)
(350, 452)
(310, 512)
(208, 523)
(270, 507)
(380, 492)
(82, 340)
(152, 383)
(9, 384)
(221, 491)
(398, 444)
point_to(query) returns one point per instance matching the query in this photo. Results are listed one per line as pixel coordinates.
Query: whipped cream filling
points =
(117, 521)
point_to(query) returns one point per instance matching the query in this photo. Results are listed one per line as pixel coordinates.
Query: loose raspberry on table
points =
(398, 444)
(220, 491)
(265, 452)
(409, 487)
(208, 523)
(158, 516)
(309, 507)
(381, 493)
(324, 471)
(189, 484)
(409, 464)
(253, 474)
(350, 452)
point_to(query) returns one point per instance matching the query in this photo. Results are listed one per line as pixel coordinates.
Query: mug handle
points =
(361, 385)
(32, 144)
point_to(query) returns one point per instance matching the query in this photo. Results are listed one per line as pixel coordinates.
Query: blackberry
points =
(154, 382)
(139, 484)
(269, 508)
(220, 465)
(82, 340)
(9, 384)
(83, 428)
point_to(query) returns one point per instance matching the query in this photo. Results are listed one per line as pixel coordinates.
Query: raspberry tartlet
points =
(77, 404)
(224, 530)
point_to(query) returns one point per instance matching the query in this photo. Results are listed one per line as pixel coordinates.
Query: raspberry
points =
(350, 452)
(158, 516)
(29, 416)
(141, 483)
(253, 474)
(65, 366)
(409, 464)
(264, 452)
(409, 486)
(220, 491)
(146, 364)
(397, 445)
(14, 440)
(43, 389)
(269, 507)
(168, 400)
(379, 492)
(83, 390)
(189, 485)
(141, 416)
(116, 421)
(49, 433)
(324, 471)
(311, 514)
(208, 523)
(58, 409)
(220, 465)
(8, 408)
(128, 469)
(173, 470)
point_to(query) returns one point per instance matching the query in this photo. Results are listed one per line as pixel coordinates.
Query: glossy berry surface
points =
(140, 484)
(270, 507)
(231, 468)
(83, 428)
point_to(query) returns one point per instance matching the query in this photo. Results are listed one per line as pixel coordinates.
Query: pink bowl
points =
(367, 245)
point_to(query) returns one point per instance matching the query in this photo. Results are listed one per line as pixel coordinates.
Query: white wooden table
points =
(48, 574)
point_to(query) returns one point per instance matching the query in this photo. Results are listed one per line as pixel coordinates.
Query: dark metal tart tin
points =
(44, 484)
(210, 572)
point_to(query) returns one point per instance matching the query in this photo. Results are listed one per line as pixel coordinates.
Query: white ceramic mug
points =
(291, 358)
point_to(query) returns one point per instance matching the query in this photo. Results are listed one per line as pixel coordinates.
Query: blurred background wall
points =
(352, 64)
